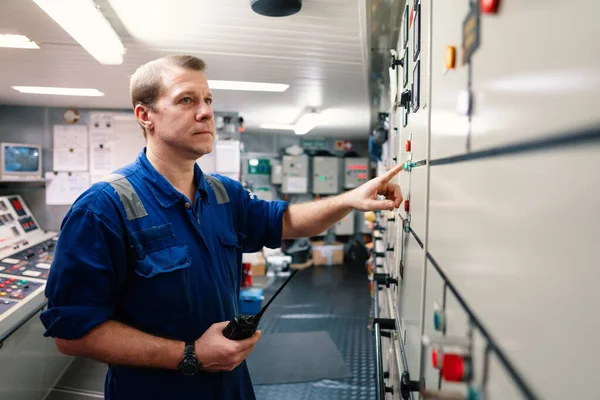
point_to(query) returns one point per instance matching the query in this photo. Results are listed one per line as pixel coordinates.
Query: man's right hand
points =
(217, 353)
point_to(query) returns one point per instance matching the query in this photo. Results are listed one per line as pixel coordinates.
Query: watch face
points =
(189, 368)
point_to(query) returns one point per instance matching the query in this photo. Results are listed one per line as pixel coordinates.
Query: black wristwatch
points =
(189, 365)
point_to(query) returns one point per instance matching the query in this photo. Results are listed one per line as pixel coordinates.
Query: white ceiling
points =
(321, 52)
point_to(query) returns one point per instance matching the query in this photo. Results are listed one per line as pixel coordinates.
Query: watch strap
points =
(189, 350)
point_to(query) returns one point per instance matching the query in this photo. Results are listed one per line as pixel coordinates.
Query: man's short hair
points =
(145, 85)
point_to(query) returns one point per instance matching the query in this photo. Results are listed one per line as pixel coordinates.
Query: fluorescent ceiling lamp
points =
(17, 42)
(307, 122)
(280, 127)
(248, 86)
(85, 23)
(58, 91)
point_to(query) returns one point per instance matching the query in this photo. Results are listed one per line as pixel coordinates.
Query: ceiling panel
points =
(320, 52)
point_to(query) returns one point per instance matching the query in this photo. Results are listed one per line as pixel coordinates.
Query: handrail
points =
(380, 383)
(22, 322)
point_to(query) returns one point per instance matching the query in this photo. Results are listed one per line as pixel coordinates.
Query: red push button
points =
(455, 368)
(489, 6)
(408, 146)
(435, 358)
(406, 205)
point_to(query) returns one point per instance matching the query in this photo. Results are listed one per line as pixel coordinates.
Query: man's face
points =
(183, 118)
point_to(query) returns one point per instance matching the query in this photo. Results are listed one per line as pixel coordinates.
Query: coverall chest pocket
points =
(231, 244)
(162, 276)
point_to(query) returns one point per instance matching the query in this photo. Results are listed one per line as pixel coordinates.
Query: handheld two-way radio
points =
(244, 326)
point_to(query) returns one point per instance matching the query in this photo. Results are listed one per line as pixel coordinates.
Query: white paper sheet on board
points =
(70, 136)
(101, 162)
(63, 188)
(70, 159)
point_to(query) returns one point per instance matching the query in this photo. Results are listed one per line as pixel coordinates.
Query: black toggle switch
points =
(405, 99)
(385, 279)
(407, 386)
(396, 61)
(386, 323)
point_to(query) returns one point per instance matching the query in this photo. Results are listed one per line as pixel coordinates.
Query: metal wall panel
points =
(536, 72)
(498, 232)
(448, 129)
(409, 297)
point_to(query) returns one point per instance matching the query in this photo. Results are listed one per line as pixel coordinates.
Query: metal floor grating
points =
(335, 299)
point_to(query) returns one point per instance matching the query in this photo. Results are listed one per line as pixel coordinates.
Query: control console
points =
(14, 289)
(26, 254)
(33, 262)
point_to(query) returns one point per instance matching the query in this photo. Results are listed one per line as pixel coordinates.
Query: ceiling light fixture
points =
(83, 20)
(281, 127)
(247, 86)
(58, 91)
(306, 123)
(17, 42)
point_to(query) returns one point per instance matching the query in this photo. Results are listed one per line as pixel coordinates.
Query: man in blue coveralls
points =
(146, 273)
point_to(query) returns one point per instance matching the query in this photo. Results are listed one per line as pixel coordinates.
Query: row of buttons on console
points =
(13, 288)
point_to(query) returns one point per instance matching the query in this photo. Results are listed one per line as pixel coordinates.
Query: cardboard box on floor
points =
(323, 254)
(258, 262)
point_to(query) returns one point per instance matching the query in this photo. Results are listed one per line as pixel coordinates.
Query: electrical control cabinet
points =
(276, 173)
(480, 271)
(295, 174)
(326, 175)
(345, 226)
(356, 172)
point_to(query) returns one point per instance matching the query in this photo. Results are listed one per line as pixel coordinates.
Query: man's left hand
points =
(364, 197)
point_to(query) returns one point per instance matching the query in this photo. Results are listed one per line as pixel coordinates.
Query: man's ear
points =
(142, 114)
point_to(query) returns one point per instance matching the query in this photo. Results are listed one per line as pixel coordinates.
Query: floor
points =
(334, 299)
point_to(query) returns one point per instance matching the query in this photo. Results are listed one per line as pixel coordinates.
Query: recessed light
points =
(17, 42)
(281, 127)
(248, 86)
(83, 20)
(58, 91)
